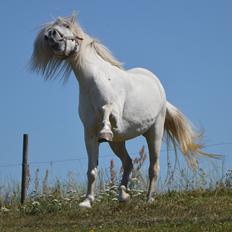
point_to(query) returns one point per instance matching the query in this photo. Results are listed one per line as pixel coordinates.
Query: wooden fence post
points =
(24, 169)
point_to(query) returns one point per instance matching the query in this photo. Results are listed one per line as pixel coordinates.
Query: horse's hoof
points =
(123, 195)
(85, 204)
(105, 137)
(150, 200)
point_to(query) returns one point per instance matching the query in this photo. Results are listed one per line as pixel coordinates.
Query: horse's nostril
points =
(45, 37)
(54, 32)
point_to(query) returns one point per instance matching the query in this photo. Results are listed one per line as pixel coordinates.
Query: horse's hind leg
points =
(106, 134)
(154, 140)
(119, 149)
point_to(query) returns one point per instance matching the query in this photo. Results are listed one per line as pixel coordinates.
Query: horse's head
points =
(55, 43)
(62, 38)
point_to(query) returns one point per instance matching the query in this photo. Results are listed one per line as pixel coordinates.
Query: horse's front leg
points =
(106, 134)
(92, 147)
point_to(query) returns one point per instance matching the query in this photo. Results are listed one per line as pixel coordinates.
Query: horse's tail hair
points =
(181, 134)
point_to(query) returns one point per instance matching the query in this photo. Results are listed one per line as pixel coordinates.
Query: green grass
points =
(197, 210)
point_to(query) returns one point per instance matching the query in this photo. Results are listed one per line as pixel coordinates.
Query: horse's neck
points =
(90, 66)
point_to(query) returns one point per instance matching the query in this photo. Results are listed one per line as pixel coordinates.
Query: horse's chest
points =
(90, 111)
(87, 112)
(96, 95)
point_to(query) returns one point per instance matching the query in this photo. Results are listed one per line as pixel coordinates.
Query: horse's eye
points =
(67, 26)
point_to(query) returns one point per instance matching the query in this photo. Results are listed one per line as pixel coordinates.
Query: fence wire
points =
(85, 158)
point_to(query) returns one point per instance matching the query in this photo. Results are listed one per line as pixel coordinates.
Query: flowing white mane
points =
(105, 54)
(44, 61)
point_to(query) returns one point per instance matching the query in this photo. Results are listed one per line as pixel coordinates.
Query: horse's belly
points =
(131, 129)
(140, 111)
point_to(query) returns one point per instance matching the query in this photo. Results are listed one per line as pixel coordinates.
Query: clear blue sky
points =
(187, 44)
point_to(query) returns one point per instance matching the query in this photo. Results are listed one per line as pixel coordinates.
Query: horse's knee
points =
(106, 134)
(107, 108)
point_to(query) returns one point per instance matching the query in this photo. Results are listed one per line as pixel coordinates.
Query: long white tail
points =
(181, 135)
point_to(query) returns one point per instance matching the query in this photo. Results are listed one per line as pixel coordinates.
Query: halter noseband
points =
(65, 39)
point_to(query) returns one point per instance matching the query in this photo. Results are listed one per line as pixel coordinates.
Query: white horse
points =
(114, 104)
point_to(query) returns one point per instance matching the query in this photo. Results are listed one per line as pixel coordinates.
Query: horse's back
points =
(139, 70)
(147, 84)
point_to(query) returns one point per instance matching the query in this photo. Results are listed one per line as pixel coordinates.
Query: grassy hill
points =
(197, 210)
(185, 202)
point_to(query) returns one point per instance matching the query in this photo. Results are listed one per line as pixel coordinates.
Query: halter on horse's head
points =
(55, 43)
(61, 37)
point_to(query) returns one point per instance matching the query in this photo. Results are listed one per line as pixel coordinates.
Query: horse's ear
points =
(73, 17)
(59, 19)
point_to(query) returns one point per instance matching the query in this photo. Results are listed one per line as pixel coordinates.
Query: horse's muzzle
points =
(53, 36)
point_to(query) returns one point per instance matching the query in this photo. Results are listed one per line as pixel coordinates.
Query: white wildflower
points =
(55, 201)
(4, 209)
(35, 203)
